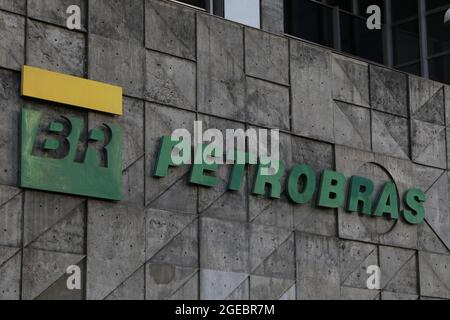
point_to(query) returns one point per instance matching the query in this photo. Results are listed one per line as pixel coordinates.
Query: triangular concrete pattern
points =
(382, 82)
(421, 156)
(356, 85)
(162, 228)
(66, 236)
(388, 136)
(280, 263)
(42, 268)
(7, 253)
(405, 280)
(218, 285)
(433, 110)
(346, 111)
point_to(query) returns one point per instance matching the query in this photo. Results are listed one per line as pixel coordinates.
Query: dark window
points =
(439, 68)
(433, 4)
(342, 4)
(309, 20)
(403, 9)
(438, 33)
(411, 68)
(358, 40)
(406, 42)
(196, 3)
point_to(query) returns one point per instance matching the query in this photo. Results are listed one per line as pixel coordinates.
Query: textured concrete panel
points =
(307, 217)
(118, 20)
(355, 258)
(267, 104)
(434, 275)
(312, 107)
(10, 104)
(379, 169)
(399, 270)
(55, 11)
(429, 240)
(12, 33)
(219, 202)
(170, 193)
(58, 290)
(386, 295)
(132, 289)
(171, 238)
(16, 6)
(224, 245)
(170, 80)
(272, 16)
(438, 210)
(266, 56)
(348, 293)
(162, 227)
(280, 263)
(10, 216)
(170, 28)
(43, 211)
(219, 285)
(350, 80)
(220, 57)
(265, 288)
(352, 126)
(117, 62)
(67, 235)
(428, 144)
(42, 268)
(10, 273)
(447, 104)
(242, 292)
(56, 49)
(263, 242)
(164, 282)
(388, 91)
(132, 123)
(426, 100)
(318, 275)
(390, 135)
(116, 236)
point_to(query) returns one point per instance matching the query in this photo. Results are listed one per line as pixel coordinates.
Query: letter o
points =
(297, 172)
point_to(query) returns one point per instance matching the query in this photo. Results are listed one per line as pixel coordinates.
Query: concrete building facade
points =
(168, 239)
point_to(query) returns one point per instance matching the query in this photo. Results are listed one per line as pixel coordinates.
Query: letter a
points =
(374, 21)
(74, 20)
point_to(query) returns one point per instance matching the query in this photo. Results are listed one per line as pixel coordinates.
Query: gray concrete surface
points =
(171, 240)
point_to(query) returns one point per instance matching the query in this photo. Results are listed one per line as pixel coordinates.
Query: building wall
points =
(170, 240)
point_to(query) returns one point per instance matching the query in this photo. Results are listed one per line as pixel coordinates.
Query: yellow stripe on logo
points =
(70, 90)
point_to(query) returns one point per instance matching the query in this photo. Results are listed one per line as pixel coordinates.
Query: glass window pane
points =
(439, 69)
(433, 4)
(342, 4)
(402, 9)
(406, 42)
(412, 68)
(196, 3)
(309, 20)
(245, 12)
(438, 33)
(357, 39)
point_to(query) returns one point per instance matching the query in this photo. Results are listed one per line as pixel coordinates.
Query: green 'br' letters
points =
(53, 157)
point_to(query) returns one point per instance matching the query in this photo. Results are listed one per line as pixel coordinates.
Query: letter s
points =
(414, 199)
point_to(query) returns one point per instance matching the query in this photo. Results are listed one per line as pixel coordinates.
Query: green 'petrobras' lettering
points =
(332, 190)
